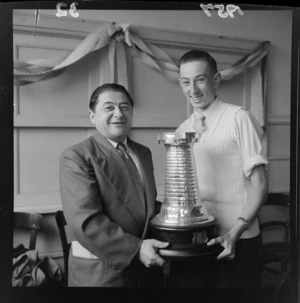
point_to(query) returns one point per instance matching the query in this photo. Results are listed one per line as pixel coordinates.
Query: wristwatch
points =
(245, 221)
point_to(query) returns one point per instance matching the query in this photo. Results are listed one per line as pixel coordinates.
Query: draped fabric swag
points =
(117, 37)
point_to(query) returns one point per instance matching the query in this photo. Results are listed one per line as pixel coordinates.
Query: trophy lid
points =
(178, 138)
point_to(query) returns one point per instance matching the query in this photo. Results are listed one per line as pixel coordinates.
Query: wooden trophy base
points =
(187, 242)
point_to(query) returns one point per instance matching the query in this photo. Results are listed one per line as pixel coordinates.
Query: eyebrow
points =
(112, 103)
(198, 76)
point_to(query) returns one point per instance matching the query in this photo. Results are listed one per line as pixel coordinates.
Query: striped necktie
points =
(133, 171)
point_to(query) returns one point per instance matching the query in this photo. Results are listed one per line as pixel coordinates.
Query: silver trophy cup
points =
(182, 220)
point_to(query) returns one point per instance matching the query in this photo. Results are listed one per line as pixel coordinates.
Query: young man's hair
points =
(199, 55)
(108, 87)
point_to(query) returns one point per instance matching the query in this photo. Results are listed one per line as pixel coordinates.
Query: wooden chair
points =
(61, 224)
(275, 227)
(28, 221)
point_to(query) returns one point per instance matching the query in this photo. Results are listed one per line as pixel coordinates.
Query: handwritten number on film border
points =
(222, 12)
(61, 13)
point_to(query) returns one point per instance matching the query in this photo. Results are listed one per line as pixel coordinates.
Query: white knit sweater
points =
(224, 157)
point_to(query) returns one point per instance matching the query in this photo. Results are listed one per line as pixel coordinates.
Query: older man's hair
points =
(199, 55)
(108, 87)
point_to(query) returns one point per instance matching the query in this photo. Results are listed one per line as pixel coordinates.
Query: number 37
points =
(230, 8)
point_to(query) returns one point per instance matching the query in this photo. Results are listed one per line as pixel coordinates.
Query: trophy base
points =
(188, 243)
(190, 254)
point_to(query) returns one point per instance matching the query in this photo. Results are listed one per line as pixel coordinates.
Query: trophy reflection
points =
(182, 220)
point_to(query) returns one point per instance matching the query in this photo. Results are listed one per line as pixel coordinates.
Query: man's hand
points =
(148, 252)
(228, 243)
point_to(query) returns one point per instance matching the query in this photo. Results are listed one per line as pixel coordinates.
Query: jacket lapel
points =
(148, 177)
(115, 170)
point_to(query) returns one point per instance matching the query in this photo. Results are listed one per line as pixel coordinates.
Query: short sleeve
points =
(249, 139)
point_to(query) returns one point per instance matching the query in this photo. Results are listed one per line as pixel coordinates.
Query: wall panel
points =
(37, 153)
(279, 176)
(66, 95)
(155, 103)
(279, 141)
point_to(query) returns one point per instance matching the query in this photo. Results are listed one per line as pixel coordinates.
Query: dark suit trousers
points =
(92, 273)
(241, 273)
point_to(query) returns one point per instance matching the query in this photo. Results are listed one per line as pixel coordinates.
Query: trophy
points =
(182, 220)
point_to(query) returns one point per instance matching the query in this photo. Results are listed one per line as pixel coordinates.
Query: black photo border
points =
(7, 293)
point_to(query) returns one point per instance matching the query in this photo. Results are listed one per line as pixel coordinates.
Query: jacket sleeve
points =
(84, 210)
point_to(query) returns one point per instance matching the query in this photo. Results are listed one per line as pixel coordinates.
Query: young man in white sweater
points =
(231, 171)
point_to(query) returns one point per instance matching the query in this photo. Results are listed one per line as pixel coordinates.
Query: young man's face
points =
(199, 83)
(113, 115)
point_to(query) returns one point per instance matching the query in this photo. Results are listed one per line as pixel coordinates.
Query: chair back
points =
(62, 224)
(28, 221)
(274, 220)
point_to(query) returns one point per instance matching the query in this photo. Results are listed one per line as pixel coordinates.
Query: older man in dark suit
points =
(108, 195)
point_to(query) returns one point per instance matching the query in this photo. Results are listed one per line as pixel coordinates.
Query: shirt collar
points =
(115, 144)
(209, 113)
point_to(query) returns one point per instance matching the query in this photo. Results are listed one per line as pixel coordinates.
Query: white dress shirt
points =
(133, 156)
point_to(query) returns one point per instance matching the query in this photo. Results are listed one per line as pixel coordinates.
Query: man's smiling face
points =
(198, 83)
(113, 115)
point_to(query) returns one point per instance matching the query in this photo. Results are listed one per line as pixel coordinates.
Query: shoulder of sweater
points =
(232, 107)
(234, 111)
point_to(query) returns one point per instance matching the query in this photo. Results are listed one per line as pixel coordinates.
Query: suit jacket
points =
(104, 213)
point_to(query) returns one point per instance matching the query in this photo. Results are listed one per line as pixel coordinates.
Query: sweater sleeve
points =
(249, 139)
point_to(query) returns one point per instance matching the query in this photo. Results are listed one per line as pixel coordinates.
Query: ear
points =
(92, 116)
(217, 79)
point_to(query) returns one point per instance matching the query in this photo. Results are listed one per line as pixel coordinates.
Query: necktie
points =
(199, 123)
(134, 173)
